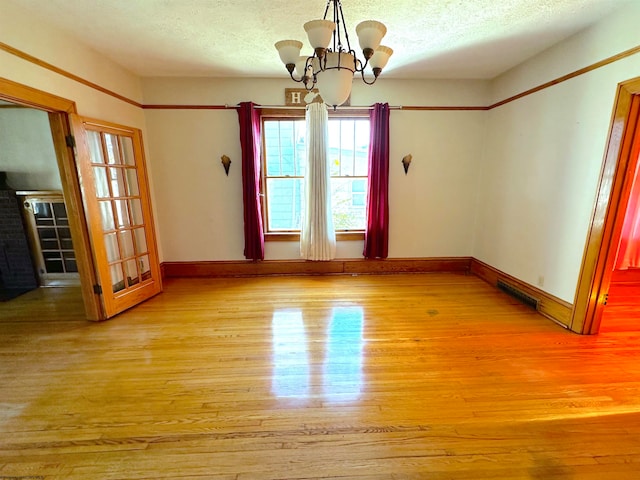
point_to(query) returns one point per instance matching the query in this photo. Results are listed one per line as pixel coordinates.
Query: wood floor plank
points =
(368, 377)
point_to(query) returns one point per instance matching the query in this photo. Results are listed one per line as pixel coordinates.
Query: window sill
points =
(295, 237)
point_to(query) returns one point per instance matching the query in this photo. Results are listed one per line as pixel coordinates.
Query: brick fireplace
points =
(17, 273)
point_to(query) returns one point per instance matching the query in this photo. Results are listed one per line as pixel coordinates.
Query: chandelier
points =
(333, 64)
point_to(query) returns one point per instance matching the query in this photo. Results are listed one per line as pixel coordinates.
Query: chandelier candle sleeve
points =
(370, 35)
(289, 51)
(380, 59)
(319, 33)
(331, 66)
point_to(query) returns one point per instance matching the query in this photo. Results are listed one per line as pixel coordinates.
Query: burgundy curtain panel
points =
(250, 141)
(376, 237)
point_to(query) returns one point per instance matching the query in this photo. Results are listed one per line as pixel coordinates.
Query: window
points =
(284, 157)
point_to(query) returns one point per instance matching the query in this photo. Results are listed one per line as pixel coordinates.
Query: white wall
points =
(513, 187)
(26, 150)
(432, 207)
(200, 209)
(47, 43)
(544, 153)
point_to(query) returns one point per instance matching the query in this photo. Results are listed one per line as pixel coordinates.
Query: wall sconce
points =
(406, 161)
(226, 163)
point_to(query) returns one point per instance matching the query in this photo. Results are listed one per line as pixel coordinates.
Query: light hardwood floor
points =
(434, 376)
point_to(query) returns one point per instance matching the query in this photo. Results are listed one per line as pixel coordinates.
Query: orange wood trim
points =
(569, 76)
(110, 127)
(30, 58)
(64, 73)
(299, 112)
(32, 97)
(548, 305)
(77, 221)
(163, 272)
(551, 83)
(189, 107)
(295, 237)
(599, 253)
(301, 267)
(281, 237)
(409, 265)
(275, 113)
(442, 109)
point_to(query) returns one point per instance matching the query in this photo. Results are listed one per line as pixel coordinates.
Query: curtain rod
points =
(285, 107)
(346, 107)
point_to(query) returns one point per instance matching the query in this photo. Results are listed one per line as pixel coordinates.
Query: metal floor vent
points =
(518, 294)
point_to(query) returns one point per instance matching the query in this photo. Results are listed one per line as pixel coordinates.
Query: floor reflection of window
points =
(290, 356)
(343, 365)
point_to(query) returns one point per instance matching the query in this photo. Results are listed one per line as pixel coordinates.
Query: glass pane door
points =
(122, 227)
(118, 196)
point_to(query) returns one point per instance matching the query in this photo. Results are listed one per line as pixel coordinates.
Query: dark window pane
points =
(53, 262)
(59, 210)
(70, 262)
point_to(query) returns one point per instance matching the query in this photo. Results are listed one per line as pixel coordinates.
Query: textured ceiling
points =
(431, 39)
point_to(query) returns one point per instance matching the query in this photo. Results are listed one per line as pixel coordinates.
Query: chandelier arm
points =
(304, 79)
(322, 63)
(336, 19)
(294, 78)
(326, 10)
(313, 83)
(376, 74)
(344, 24)
(364, 65)
(365, 80)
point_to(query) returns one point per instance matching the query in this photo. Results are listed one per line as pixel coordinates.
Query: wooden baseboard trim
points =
(548, 305)
(302, 267)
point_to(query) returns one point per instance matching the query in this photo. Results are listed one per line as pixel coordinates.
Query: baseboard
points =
(548, 305)
(303, 267)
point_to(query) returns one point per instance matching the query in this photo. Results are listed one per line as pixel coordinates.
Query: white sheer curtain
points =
(317, 235)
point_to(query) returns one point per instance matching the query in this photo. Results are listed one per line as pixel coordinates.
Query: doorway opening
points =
(108, 217)
(36, 248)
(608, 218)
(622, 309)
(55, 110)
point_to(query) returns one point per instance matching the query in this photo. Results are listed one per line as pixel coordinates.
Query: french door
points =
(111, 167)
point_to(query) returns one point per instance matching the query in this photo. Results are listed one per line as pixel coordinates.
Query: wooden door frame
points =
(58, 109)
(609, 210)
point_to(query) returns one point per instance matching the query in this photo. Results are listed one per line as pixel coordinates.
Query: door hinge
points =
(97, 289)
(71, 141)
(606, 298)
